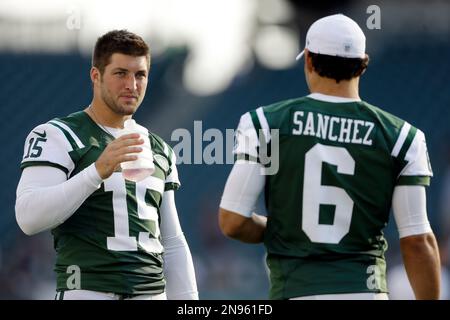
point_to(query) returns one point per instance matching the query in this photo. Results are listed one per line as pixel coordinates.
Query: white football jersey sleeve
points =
(47, 145)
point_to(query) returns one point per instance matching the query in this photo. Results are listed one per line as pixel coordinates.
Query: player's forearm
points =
(422, 264)
(257, 227)
(43, 207)
(179, 269)
(238, 227)
(178, 264)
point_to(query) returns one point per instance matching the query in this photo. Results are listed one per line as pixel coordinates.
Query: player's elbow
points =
(24, 219)
(24, 224)
(229, 230)
(231, 224)
(419, 245)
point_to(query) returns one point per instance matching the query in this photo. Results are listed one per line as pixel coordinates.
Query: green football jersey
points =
(113, 239)
(330, 197)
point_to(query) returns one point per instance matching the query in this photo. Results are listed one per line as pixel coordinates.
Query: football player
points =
(114, 238)
(342, 163)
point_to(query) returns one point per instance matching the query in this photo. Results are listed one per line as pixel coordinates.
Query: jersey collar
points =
(327, 98)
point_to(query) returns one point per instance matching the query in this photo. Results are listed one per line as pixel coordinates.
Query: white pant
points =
(346, 296)
(96, 295)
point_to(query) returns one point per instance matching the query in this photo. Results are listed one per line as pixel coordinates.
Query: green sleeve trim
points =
(413, 181)
(67, 135)
(171, 186)
(244, 156)
(43, 163)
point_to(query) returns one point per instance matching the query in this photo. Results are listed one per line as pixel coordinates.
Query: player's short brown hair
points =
(338, 68)
(118, 41)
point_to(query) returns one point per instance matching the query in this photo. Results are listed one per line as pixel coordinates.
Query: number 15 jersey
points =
(112, 240)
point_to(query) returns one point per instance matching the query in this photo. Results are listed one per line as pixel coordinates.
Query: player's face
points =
(124, 82)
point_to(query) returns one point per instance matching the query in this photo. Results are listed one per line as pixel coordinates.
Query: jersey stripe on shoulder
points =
(257, 125)
(170, 156)
(264, 124)
(246, 137)
(401, 139)
(410, 137)
(71, 136)
(255, 120)
(166, 149)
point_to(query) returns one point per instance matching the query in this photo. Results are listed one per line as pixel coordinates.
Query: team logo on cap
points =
(347, 47)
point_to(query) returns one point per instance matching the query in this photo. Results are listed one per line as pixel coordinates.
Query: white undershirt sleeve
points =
(244, 184)
(410, 212)
(45, 198)
(178, 265)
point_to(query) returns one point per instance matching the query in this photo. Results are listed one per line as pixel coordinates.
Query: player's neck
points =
(104, 116)
(345, 88)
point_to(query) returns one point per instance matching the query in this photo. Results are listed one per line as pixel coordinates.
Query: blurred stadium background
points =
(211, 61)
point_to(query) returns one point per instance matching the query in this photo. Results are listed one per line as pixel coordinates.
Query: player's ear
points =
(365, 64)
(95, 75)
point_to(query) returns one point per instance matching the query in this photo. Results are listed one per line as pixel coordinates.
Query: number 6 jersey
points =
(330, 197)
(113, 239)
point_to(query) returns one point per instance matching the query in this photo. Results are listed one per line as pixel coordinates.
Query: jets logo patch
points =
(161, 161)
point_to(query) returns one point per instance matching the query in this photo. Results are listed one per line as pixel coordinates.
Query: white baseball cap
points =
(336, 35)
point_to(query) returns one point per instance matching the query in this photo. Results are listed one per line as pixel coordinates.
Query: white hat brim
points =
(300, 55)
